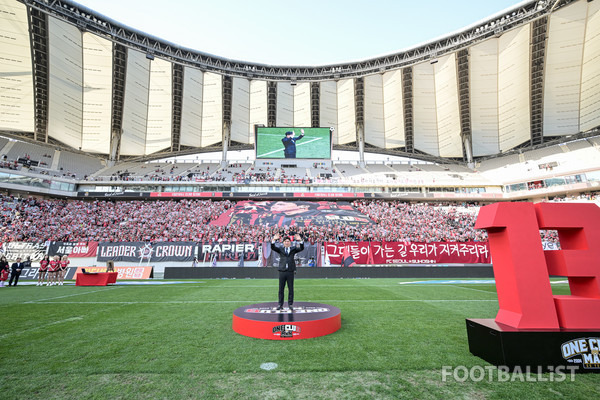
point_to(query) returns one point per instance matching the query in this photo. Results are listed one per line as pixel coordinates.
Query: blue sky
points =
(309, 32)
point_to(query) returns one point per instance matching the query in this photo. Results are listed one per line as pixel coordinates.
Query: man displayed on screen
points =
(289, 143)
(287, 266)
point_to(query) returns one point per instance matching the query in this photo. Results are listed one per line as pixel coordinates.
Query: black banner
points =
(124, 195)
(227, 251)
(31, 274)
(142, 252)
(124, 251)
(173, 251)
(14, 250)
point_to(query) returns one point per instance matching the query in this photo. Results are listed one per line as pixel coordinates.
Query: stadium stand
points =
(79, 165)
(577, 145)
(498, 162)
(437, 159)
(35, 220)
(36, 155)
(202, 171)
(234, 172)
(544, 153)
(3, 142)
(488, 113)
(349, 170)
(595, 141)
(153, 171)
(401, 167)
(293, 173)
(378, 168)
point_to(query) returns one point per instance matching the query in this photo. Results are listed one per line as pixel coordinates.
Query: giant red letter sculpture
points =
(522, 268)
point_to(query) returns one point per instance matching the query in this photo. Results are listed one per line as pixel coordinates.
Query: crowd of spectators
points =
(587, 196)
(422, 222)
(159, 173)
(170, 174)
(535, 185)
(40, 167)
(13, 165)
(35, 220)
(40, 220)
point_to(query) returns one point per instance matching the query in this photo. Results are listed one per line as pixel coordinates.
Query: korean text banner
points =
(73, 249)
(410, 252)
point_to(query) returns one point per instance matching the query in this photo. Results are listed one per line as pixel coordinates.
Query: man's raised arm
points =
(275, 238)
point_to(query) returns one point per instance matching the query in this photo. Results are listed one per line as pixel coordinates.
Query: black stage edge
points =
(543, 350)
(331, 272)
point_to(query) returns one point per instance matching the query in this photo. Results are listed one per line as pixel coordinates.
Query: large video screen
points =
(305, 143)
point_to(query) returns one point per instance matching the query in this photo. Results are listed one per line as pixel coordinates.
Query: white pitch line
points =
(477, 290)
(298, 145)
(263, 301)
(307, 287)
(151, 302)
(70, 295)
(403, 300)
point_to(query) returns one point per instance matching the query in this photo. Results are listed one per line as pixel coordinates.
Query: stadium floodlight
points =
(150, 56)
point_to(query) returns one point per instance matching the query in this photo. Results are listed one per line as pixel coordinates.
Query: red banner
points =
(73, 249)
(410, 252)
(88, 249)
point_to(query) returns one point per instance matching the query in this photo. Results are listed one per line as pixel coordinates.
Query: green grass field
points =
(176, 342)
(315, 143)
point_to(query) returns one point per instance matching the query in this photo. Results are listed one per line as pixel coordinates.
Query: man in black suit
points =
(289, 143)
(287, 266)
(16, 272)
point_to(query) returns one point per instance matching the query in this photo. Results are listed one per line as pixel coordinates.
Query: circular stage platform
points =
(307, 320)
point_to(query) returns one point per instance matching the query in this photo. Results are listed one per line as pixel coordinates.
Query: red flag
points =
(347, 259)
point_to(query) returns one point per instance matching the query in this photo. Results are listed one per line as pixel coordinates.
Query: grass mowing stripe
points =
(71, 295)
(18, 333)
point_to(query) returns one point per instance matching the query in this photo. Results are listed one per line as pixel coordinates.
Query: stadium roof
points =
(523, 77)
